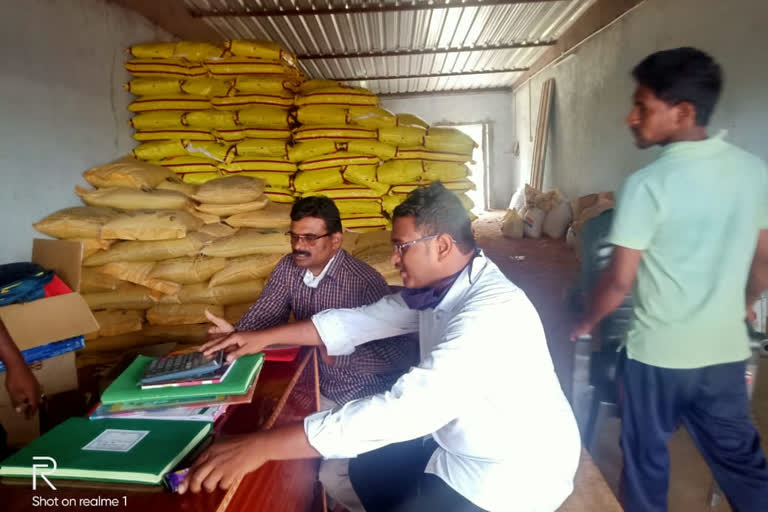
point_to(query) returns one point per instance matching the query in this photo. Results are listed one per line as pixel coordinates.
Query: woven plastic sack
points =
(242, 101)
(322, 115)
(223, 295)
(226, 210)
(336, 133)
(152, 50)
(348, 192)
(275, 179)
(389, 203)
(93, 280)
(364, 223)
(443, 171)
(264, 116)
(262, 164)
(213, 150)
(358, 206)
(238, 189)
(179, 186)
(188, 164)
(147, 251)
(199, 178)
(246, 242)
(217, 230)
(399, 171)
(557, 220)
(233, 313)
(157, 120)
(310, 149)
(231, 67)
(114, 322)
(128, 296)
(159, 150)
(137, 272)
(171, 68)
(431, 156)
(364, 175)
(77, 222)
(196, 51)
(153, 86)
(466, 202)
(150, 225)
(262, 147)
(182, 314)
(402, 136)
(92, 246)
(315, 85)
(166, 134)
(182, 102)
(336, 160)
(246, 268)
(306, 181)
(372, 147)
(411, 120)
(266, 50)
(371, 117)
(206, 86)
(279, 195)
(341, 95)
(188, 270)
(127, 172)
(533, 222)
(267, 133)
(274, 217)
(380, 258)
(265, 84)
(132, 199)
(357, 243)
(211, 119)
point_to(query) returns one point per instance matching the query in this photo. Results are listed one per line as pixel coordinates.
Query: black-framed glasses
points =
(308, 239)
(399, 248)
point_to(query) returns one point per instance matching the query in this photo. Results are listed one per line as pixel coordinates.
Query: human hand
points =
(224, 463)
(220, 326)
(23, 389)
(583, 328)
(237, 344)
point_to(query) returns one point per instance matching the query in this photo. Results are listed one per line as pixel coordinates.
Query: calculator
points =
(190, 365)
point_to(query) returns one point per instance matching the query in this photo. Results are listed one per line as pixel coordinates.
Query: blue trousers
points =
(712, 404)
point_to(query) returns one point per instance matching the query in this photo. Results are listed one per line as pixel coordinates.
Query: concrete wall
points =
(63, 107)
(590, 148)
(492, 108)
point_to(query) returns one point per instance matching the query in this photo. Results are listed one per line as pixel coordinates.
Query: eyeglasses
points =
(309, 239)
(400, 248)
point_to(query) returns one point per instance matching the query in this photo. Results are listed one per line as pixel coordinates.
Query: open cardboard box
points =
(44, 321)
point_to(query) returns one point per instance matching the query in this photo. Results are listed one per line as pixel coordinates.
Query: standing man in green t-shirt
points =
(686, 233)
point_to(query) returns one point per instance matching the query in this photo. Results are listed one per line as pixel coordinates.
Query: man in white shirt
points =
(480, 424)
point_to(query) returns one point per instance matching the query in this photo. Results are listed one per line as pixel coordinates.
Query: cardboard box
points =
(44, 321)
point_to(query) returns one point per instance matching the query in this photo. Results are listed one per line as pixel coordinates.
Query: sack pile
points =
(533, 213)
(206, 111)
(159, 252)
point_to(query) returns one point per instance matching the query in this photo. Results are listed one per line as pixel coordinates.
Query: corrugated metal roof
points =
(331, 41)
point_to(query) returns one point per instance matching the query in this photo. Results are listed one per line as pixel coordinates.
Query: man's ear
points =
(444, 245)
(686, 114)
(336, 240)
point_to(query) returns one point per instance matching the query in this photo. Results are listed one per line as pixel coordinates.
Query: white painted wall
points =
(492, 108)
(590, 148)
(63, 107)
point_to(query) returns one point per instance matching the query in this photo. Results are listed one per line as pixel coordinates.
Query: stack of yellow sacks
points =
(158, 252)
(207, 111)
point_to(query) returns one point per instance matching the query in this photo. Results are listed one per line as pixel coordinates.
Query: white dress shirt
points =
(485, 390)
(312, 280)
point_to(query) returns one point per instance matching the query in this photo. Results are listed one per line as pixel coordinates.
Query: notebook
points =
(125, 388)
(206, 413)
(125, 450)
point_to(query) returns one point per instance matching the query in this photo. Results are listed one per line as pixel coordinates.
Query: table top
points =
(287, 485)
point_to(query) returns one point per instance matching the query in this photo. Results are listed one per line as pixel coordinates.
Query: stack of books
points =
(139, 433)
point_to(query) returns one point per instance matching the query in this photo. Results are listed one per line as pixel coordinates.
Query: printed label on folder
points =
(116, 440)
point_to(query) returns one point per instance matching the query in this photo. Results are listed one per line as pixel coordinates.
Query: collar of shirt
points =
(313, 281)
(464, 282)
(701, 147)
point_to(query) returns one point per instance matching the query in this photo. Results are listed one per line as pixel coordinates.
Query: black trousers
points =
(392, 479)
(713, 405)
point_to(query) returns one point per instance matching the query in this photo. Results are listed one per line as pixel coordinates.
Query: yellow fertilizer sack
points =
(402, 136)
(196, 51)
(448, 136)
(213, 150)
(183, 102)
(276, 179)
(431, 156)
(274, 217)
(243, 101)
(307, 181)
(206, 86)
(267, 133)
(314, 85)
(93, 280)
(443, 171)
(154, 86)
(159, 150)
(251, 164)
(125, 297)
(389, 203)
(199, 178)
(246, 268)
(157, 120)
(171, 68)
(115, 322)
(166, 134)
(226, 210)
(217, 230)
(279, 195)
(264, 116)
(137, 272)
(246, 242)
(364, 223)
(188, 164)
(357, 206)
(232, 67)
(337, 133)
(93, 245)
(400, 171)
(210, 119)
(336, 160)
(322, 115)
(188, 270)
(152, 50)
(262, 147)
(127, 172)
(411, 120)
(372, 147)
(310, 149)
(132, 199)
(147, 251)
(265, 84)
(371, 117)
(78, 222)
(341, 95)
(150, 225)
(348, 192)
(266, 50)
(235, 293)
(182, 314)
(364, 175)
(232, 190)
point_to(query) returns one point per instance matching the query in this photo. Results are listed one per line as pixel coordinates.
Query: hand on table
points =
(23, 389)
(224, 462)
(222, 336)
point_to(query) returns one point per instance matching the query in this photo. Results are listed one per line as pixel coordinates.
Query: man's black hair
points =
(436, 211)
(683, 74)
(320, 207)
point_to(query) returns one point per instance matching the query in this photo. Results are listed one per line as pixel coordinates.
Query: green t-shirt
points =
(695, 213)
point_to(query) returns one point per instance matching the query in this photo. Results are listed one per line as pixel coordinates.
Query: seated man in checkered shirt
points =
(320, 275)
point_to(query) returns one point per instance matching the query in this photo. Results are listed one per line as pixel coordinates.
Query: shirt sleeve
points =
(636, 216)
(273, 306)
(420, 402)
(341, 330)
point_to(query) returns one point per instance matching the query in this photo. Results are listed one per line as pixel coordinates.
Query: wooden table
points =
(288, 485)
